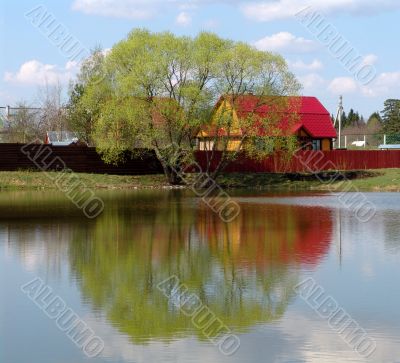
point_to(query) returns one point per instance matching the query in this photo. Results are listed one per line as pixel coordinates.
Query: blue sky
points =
(29, 58)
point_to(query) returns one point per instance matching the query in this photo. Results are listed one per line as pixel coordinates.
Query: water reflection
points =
(243, 271)
(107, 271)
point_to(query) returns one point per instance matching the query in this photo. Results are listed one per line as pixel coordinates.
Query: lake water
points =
(246, 272)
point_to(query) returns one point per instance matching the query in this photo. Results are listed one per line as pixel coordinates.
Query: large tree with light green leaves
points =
(159, 89)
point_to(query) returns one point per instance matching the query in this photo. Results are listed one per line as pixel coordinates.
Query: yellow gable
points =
(225, 110)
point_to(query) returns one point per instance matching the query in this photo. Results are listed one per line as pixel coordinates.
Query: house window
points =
(316, 144)
(206, 145)
(306, 143)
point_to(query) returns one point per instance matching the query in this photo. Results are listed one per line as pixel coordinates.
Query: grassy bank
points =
(31, 180)
(373, 180)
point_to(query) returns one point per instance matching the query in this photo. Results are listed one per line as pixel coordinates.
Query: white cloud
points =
(285, 41)
(343, 85)
(311, 82)
(369, 60)
(283, 9)
(34, 72)
(184, 19)
(299, 65)
(385, 84)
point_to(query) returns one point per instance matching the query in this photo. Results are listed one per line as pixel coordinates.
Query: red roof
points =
(312, 115)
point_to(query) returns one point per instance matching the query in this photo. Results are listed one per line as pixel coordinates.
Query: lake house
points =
(304, 117)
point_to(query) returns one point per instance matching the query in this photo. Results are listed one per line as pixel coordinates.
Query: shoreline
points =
(383, 180)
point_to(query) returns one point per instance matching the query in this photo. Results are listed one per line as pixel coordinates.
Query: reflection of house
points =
(279, 235)
(304, 117)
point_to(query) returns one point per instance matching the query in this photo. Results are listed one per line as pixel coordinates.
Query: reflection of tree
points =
(243, 271)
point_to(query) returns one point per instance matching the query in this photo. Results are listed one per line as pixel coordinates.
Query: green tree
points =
(167, 80)
(374, 119)
(374, 123)
(83, 107)
(353, 119)
(391, 117)
(166, 87)
(374, 129)
(344, 120)
(79, 118)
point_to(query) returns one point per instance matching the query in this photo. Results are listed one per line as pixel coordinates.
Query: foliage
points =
(374, 121)
(117, 123)
(375, 129)
(352, 119)
(172, 83)
(79, 118)
(84, 96)
(391, 117)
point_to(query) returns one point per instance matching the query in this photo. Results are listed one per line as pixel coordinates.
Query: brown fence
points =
(82, 159)
(79, 159)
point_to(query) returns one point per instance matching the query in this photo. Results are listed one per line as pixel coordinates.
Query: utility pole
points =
(338, 119)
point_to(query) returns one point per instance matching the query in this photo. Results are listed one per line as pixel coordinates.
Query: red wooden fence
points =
(310, 161)
(84, 159)
(80, 159)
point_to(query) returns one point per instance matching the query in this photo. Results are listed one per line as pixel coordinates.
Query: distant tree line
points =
(384, 122)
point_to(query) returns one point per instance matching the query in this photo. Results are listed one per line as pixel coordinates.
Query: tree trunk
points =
(173, 175)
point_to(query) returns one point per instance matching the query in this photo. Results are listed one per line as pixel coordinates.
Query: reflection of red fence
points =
(312, 161)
